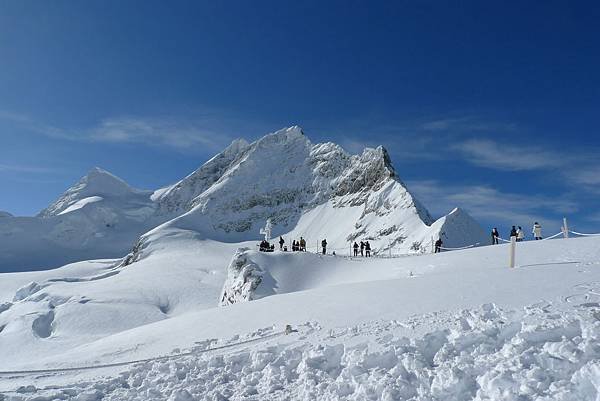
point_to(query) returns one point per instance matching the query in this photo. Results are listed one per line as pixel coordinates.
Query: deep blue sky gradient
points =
(490, 106)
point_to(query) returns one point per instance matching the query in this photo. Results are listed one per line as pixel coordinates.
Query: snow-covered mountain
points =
(99, 217)
(311, 190)
(98, 185)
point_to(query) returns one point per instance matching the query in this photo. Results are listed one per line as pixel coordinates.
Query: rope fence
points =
(554, 236)
(133, 362)
(462, 247)
(582, 234)
(388, 252)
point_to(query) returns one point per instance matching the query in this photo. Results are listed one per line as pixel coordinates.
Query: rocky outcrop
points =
(243, 280)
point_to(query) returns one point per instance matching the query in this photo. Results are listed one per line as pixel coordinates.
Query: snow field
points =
(539, 352)
(405, 328)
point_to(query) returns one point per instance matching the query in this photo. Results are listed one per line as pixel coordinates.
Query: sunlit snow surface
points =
(457, 325)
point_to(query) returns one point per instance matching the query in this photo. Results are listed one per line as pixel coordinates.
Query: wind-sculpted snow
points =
(538, 353)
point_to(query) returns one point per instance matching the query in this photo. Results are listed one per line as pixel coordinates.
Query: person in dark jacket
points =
(281, 242)
(362, 248)
(355, 246)
(438, 246)
(294, 246)
(513, 232)
(368, 249)
(324, 246)
(495, 236)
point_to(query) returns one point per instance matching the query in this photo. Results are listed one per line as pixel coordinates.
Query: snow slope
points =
(455, 325)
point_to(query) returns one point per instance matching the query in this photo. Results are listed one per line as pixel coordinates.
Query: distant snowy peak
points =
(94, 186)
(5, 214)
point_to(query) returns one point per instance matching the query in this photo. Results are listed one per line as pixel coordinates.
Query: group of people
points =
(518, 233)
(365, 248)
(266, 247)
(297, 245)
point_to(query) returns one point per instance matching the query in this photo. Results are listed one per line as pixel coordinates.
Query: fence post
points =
(565, 228)
(513, 245)
(432, 246)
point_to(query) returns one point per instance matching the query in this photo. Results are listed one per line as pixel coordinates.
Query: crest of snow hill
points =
(312, 190)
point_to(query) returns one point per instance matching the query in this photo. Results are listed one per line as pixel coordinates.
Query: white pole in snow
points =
(432, 246)
(565, 228)
(513, 245)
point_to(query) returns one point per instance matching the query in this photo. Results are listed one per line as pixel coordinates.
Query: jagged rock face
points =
(280, 177)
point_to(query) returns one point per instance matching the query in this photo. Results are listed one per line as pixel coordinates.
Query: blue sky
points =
(492, 106)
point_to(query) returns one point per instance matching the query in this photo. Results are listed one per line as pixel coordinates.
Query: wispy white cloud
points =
(465, 124)
(488, 204)
(19, 168)
(589, 175)
(203, 131)
(178, 134)
(508, 157)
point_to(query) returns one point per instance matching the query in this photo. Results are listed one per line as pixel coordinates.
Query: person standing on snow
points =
(324, 246)
(302, 244)
(355, 246)
(438, 246)
(537, 230)
(513, 232)
(281, 242)
(495, 236)
(368, 249)
(520, 234)
(362, 248)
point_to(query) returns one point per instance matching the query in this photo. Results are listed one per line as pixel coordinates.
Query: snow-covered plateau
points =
(182, 306)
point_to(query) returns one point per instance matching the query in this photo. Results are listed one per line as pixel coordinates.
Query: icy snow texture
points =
(480, 354)
(243, 279)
